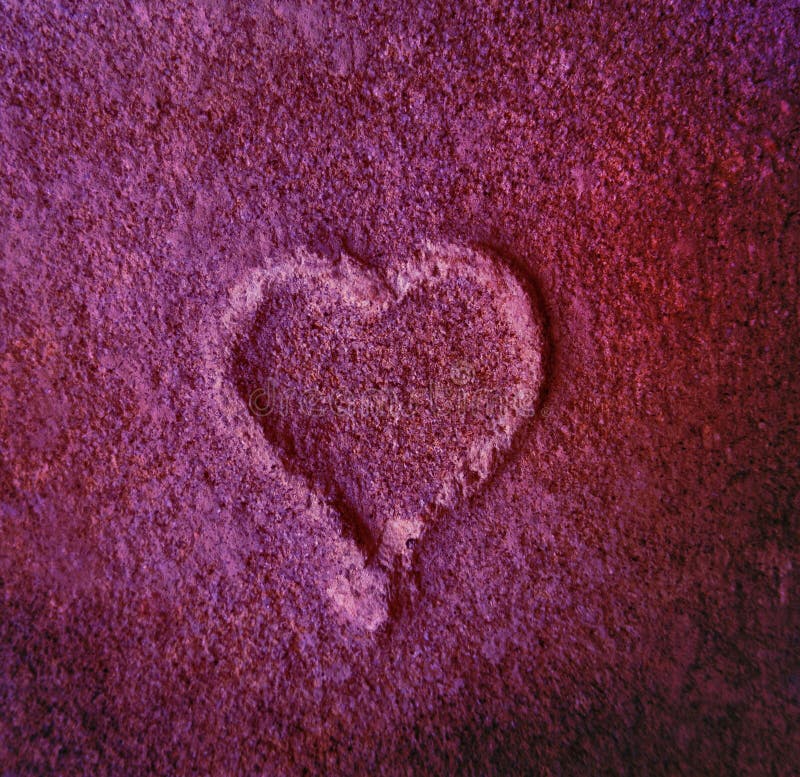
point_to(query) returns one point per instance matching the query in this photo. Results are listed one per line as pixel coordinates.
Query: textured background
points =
(622, 597)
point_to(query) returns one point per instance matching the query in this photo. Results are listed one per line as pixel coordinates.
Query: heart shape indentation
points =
(397, 393)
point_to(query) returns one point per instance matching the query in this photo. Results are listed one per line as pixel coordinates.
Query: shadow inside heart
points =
(395, 395)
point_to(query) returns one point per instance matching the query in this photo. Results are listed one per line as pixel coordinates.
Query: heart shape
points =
(396, 394)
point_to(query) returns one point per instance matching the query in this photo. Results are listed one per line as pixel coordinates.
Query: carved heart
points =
(396, 394)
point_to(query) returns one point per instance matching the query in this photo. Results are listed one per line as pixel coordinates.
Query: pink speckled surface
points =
(616, 594)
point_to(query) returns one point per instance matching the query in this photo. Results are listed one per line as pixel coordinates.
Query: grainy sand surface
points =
(605, 584)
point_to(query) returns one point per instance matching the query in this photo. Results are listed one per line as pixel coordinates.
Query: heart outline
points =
(378, 291)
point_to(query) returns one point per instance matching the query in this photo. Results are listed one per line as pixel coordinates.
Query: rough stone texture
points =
(621, 597)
